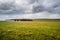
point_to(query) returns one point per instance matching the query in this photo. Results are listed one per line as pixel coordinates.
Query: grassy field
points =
(33, 30)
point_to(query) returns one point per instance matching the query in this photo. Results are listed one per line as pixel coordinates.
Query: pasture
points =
(30, 30)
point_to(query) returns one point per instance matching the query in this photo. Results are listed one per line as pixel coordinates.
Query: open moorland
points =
(30, 30)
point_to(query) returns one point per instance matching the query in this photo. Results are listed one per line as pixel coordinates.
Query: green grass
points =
(33, 30)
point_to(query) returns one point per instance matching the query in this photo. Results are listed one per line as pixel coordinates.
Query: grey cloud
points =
(38, 9)
(51, 6)
(32, 9)
(10, 7)
(6, 6)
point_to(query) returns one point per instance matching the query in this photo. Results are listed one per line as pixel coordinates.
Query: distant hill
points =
(33, 20)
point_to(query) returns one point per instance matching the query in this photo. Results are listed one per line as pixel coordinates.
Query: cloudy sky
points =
(11, 9)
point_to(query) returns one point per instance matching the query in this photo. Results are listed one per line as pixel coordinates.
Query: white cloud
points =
(54, 16)
(3, 17)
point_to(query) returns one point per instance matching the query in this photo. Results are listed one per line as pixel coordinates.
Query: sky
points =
(29, 9)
